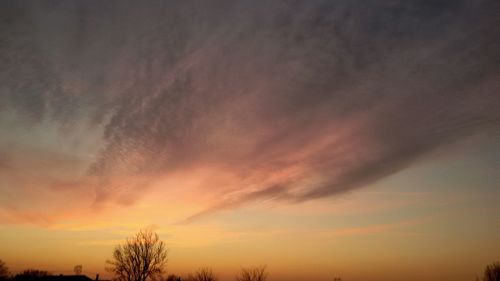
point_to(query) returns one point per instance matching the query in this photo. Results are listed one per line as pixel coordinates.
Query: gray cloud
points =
(307, 98)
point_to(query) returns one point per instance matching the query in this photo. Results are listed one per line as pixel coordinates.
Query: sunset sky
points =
(353, 139)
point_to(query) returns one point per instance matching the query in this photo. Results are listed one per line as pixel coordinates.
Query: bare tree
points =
(202, 274)
(254, 273)
(492, 272)
(173, 277)
(4, 271)
(31, 274)
(142, 257)
(78, 269)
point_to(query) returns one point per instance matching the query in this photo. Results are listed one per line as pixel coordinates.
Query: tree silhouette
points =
(202, 274)
(31, 274)
(4, 271)
(492, 272)
(78, 269)
(142, 257)
(173, 277)
(254, 273)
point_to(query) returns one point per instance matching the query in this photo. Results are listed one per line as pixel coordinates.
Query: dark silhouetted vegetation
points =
(492, 272)
(145, 257)
(41, 275)
(202, 274)
(4, 271)
(173, 277)
(78, 269)
(31, 274)
(254, 273)
(142, 257)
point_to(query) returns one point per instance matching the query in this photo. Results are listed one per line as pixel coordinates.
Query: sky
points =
(353, 139)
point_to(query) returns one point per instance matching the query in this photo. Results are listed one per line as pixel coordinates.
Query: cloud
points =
(284, 101)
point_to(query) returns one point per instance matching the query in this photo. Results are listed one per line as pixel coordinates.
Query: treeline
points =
(26, 275)
(143, 257)
(257, 273)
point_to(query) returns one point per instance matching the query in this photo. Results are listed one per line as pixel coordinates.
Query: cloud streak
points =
(285, 101)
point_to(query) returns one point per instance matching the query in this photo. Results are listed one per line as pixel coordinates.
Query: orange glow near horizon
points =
(315, 239)
(414, 220)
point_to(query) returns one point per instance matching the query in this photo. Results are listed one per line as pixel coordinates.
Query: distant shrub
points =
(492, 272)
(4, 271)
(255, 273)
(30, 274)
(202, 274)
(173, 277)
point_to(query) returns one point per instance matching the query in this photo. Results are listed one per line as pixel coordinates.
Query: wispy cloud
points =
(279, 101)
